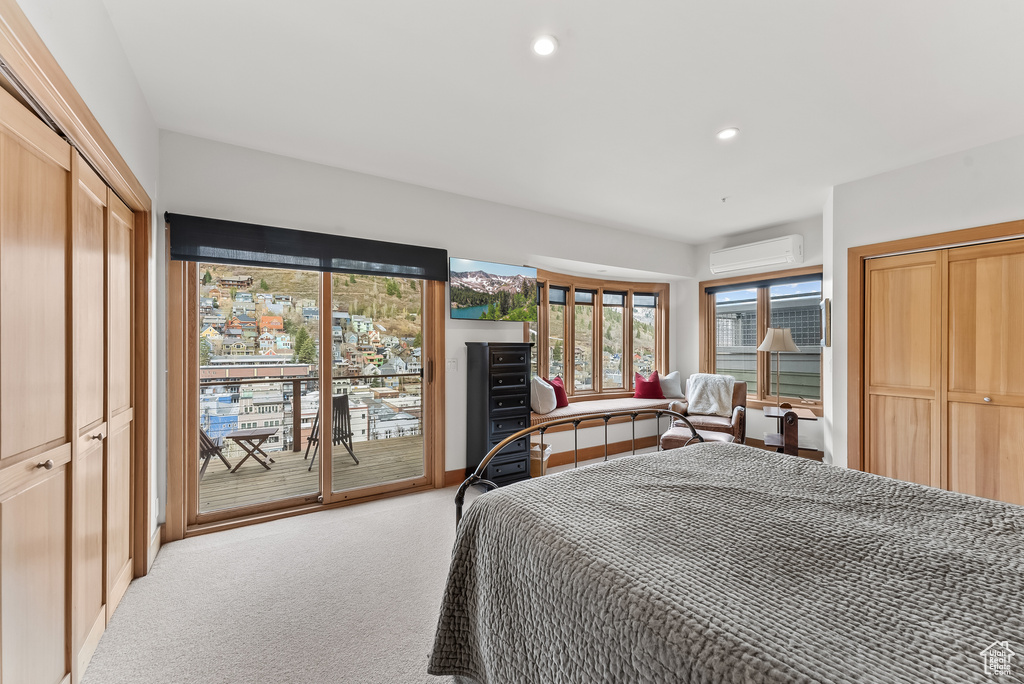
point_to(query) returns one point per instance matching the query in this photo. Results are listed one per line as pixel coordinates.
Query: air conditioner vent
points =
(775, 252)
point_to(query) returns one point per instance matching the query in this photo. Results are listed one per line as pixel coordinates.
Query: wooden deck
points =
(380, 461)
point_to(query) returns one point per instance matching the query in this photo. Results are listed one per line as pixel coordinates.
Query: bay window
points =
(585, 336)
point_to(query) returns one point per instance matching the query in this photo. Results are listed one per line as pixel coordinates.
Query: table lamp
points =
(778, 340)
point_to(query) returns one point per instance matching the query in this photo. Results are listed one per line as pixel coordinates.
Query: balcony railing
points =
(296, 396)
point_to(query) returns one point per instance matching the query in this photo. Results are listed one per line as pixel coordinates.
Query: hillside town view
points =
(259, 345)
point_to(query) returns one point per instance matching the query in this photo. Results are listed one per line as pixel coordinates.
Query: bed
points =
(725, 563)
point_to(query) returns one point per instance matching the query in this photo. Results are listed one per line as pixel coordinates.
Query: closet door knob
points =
(988, 399)
(47, 464)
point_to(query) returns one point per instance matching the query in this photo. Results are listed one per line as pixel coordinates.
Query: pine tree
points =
(352, 278)
(412, 285)
(418, 340)
(207, 278)
(301, 336)
(263, 285)
(307, 352)
(204, 352)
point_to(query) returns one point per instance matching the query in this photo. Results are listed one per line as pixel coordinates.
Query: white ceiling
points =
(618, 126)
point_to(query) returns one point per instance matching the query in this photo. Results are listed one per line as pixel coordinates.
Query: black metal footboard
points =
(476, 479)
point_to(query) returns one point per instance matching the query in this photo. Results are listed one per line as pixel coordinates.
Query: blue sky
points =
(463, 265)
(787, 290)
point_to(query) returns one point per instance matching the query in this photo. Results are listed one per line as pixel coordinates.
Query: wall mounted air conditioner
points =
(774, 252)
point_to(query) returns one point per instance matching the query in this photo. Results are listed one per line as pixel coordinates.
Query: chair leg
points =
(225, 461)
(348, 446)
(206, 462)
(312, 460)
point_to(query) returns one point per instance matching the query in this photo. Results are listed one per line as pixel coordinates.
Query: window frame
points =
(763, 283)
(548, 279)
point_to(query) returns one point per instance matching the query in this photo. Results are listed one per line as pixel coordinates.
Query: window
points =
(736, 335)
(644, 332)
(736, 315)
(797, 306)
(556, 331)
(583, 340)
(612, 331)
(586, 337)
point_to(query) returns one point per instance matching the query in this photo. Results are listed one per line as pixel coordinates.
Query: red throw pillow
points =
(561, 398)
(647, 389)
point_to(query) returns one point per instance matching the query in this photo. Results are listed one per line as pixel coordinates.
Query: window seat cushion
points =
(598, 406)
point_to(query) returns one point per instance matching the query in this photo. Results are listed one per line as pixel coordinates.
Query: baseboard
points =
(456, 477)
(589, 453)
(155, 542)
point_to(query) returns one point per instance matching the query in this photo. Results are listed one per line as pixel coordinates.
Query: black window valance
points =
(194, 238)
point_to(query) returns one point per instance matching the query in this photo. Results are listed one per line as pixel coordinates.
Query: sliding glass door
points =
(376, 382)
(267, 436)
(259, 343)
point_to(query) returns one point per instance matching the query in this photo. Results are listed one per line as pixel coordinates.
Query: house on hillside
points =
(211, 333)
(310, 314)
(236, 281)
(271, 324)
(266, 341)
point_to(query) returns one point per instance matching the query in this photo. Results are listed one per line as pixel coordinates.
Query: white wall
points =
(977, 187)
(82, 39)
(689, 340)
(206, 178)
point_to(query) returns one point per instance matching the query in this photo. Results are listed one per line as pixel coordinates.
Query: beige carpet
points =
(347, 595)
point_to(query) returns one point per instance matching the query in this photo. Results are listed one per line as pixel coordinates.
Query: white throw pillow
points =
(542, 396)
(671, 385)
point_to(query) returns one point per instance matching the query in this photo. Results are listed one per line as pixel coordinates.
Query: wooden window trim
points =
(549, 279)
(183, 412)
(706, 313)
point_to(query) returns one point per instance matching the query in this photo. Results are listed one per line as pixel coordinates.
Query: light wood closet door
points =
(986, 370)
(89, 247)
(120, 417)
(903, 367)
(35, 410)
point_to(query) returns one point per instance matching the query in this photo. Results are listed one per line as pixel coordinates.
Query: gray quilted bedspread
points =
(723, 563)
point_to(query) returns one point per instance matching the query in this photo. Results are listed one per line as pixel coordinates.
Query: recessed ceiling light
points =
(728, 133)
(545, 45)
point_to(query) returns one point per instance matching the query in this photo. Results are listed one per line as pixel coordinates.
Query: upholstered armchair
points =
(735, 425)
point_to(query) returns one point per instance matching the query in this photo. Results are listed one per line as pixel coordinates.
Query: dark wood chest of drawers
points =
(498, 404)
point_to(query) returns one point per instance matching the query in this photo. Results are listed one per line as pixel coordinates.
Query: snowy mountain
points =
(480, 281)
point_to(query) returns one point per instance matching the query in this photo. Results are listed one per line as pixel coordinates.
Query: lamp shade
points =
(778, 340)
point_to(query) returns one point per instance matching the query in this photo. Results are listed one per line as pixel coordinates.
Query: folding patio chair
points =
(208, 448)
(341, 429)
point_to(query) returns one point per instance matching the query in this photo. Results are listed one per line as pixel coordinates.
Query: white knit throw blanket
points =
(709, 394)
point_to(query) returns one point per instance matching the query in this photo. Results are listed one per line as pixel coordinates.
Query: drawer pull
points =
(98, 435)
(499, 426)
(500, 359)
(989, 399)
(47, 464)
(522, 358)
(500, 404)
(500, 381)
